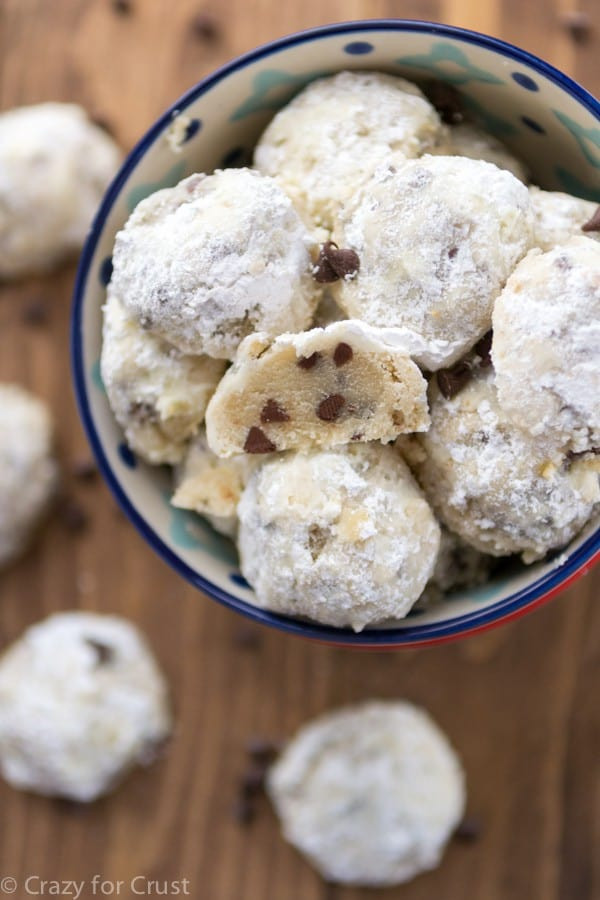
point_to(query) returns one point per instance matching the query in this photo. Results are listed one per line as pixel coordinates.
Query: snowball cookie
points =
(211, 486)
(320, 388)
(437, 238)
(546, 347)
(559, 217)
(157, 394)
(343, 537)
(458, 567)
(213, 259)
(475, 143)
(370, 793)
(322, 145)
(54, 168)
(81, 702)
(499, 488)
(28, 469)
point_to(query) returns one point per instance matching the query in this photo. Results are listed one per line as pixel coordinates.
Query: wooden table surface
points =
(520, 703)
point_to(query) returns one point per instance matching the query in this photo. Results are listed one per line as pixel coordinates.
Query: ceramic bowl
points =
(545, 117)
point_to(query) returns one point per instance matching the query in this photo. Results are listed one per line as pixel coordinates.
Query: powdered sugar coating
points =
(469, 140)
(369, 794)
(28, 468)
(157, 394)
(559, 217)
(212, 486)
(494, 484)
(343, 537)
(324, 144)
(546, 347)
(437, 238)
(81, 701)
(54, 168)
(213, 259)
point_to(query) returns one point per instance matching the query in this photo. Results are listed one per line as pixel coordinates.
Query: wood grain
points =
(520, 703)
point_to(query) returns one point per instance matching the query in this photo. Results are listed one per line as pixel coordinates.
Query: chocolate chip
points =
(246, 637)
(594, 222)
(253, 780)
(206, 27)
(334, 263)
(357, 437)
(73, 516)
(258, 442)
(452, 252)
(342, 354)
(104, 653)
(308, 362)
(122, 7)
(35, 312)
(578, 24)
(262, 750)
(329, 409)
(142, 411)
(483, 349)
(451, 381)
(273, 412)
(243, 811)
(469, 829)
(84, 469)
(447, 101)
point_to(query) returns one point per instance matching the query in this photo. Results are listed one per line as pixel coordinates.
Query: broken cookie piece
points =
(319, 388)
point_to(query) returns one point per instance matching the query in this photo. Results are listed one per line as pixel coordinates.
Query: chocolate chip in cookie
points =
(258, 442)
(273, 412)
(451, 381)
(330, 408)
(342, 354)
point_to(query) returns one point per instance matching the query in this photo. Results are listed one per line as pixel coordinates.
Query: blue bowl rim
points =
(455, 627)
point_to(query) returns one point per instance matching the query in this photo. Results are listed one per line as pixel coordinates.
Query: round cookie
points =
(212, 486)
(342, 537)
(81, 702)
(458, 567)
(157, 394)
(546, 347)
(496, 486)
(369, 794)
(475, 143)
(559, 217)
(324, 144)
(437, 238)
(213, 259)
(28, 469)
(54, 168)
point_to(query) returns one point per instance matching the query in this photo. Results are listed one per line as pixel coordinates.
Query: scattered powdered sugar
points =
(343, 537)
(213, 259)
(323, 145)
(546, 347)
(437, 238)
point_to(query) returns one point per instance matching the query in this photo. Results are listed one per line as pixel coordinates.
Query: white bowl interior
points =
(537, 117)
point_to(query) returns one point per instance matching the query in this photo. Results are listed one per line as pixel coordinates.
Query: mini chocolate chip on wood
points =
(35, 312)
(578, 24)
(309, 362)
(273, 412)
(73, 516)
(451, 381)
(469, 829)
(206, 27)
(594, 223)
(122, 7)
(258, 442)
(330, 408)
(104, 653)
(334, 263)
(84, 469)
(342, 354)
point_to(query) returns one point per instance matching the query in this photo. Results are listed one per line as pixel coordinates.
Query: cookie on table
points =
(213, 259)
(437, 238)
(328, 140)
(546, 347)
(342, 537)
(28, 468)
(559, 217)
(55, 165)
(472, 141)
(369, 794)
(494, 484)
(320, 388)
(157, 393)
(211, 486)
(82, 701)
